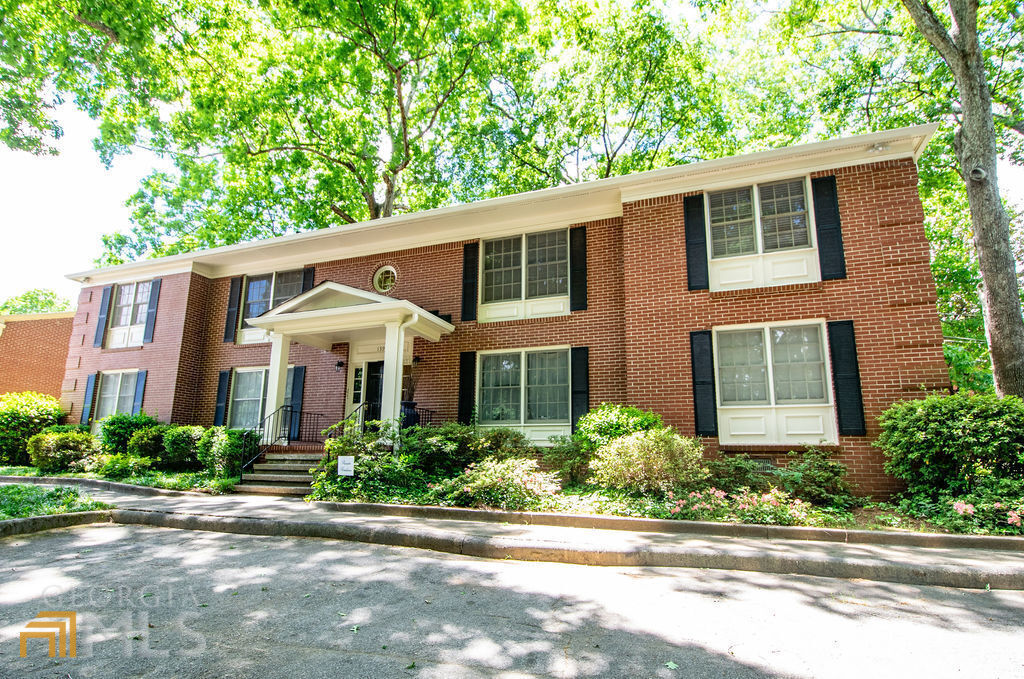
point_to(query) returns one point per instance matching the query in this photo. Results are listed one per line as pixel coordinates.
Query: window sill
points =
(791, 424)
(537, 433)
(114, 350)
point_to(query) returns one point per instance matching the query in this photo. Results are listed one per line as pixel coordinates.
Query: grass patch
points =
(198, 481)
(18, 501)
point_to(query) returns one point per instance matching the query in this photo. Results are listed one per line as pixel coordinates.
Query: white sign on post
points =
(346, 465)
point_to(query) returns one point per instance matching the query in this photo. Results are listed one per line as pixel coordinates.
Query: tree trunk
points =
(975, 147)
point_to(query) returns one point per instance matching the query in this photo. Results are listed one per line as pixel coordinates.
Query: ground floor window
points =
(771, 365)
(523, 387)
(249, 397)
(116, 393)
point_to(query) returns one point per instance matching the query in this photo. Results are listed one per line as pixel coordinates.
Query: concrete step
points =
(294, 457)
(298, 467)
(264, 489)
(264, 477)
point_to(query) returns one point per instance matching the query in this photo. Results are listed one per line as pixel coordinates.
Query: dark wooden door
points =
(374, 390)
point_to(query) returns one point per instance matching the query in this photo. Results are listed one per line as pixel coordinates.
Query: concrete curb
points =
(623, 523)
(34, 524)
(685, 556)
(99, 484)
(737, 530)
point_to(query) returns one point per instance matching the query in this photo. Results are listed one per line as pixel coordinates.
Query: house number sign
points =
(346, 465)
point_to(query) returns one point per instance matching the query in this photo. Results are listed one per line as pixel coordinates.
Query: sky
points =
(54, 209)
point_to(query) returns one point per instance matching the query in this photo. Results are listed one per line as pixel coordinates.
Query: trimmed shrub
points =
(733, 472)
(946, 442)
(117, 430)
(514, 484)
(22, 416)
(609, 421)
(815, 477)
(57, 452)
(653, 461)
(121, 466)
(503, 443)
(440, 450)
(148, 442)
(221, 450)
(66, 428)
(181, 445)
(569, 458)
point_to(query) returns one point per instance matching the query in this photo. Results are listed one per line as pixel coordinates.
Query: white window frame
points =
(777, 423)
(131, 335)
(263, 389)
(98, 388)
(250, 335)
(763, 268)
(538, 432)
(524, 307)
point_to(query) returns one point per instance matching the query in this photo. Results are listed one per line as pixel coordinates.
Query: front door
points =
(374, 390)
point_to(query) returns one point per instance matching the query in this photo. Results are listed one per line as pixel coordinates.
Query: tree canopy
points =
(35, 301)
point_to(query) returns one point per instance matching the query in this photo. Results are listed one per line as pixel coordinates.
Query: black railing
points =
(286, 425)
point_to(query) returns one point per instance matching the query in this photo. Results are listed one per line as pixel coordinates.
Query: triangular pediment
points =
(327, 295)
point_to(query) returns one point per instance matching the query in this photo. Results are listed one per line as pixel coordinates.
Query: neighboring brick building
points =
(764, 302)
(32, 351)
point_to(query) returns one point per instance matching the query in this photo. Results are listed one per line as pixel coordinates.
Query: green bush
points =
(221, 451)
(569, 458)
(653, 461)
(148, 442)
(733, 472)
(57, 452)
(66, 428)
(117, 430)
(121, 466)
(609, 421)
(503, 443)
(945, 443)
(513, 484)
(441, 450)
(22, 416)
(181, 445)
(815, 477)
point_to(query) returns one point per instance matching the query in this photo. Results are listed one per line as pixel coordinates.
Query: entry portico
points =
(332, 313)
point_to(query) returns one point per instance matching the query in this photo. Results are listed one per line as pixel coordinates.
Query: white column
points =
(277, 377)
(391, 390)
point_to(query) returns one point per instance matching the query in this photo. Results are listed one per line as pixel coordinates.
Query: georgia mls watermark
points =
(118, 620)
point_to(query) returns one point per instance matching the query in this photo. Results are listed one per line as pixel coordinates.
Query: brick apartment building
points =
(32, 351)
(764, 302)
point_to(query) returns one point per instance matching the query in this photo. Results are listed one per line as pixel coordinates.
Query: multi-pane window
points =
(266, 291)
(249, 397)
(357, 386)
(544, 269)
(128, 314)
(116, 393)
(524, 387)
(771, 365)
(776, 220)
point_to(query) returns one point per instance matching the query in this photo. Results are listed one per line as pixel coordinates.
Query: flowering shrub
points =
(22, 416)
(513, 484)
(995, 507)
(654, 461)
(774, 507)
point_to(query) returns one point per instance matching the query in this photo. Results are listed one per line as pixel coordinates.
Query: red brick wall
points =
(889, 294)
(32, 353)
(160, 357)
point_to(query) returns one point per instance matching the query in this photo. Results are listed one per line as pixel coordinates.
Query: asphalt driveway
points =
(154, 602)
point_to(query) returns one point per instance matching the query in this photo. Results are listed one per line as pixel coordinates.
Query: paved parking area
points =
(154, 602)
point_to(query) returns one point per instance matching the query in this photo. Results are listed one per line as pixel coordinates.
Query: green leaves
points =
(35, 301)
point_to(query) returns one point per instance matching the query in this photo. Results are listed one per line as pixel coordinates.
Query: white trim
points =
(98, 392)
(10, 318)
(551, 208)
(133, 334)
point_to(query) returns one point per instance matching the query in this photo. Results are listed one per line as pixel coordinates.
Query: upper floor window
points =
(266, 291)
(544, 268)
(128, 315)
(524, 387)
(763, 218)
